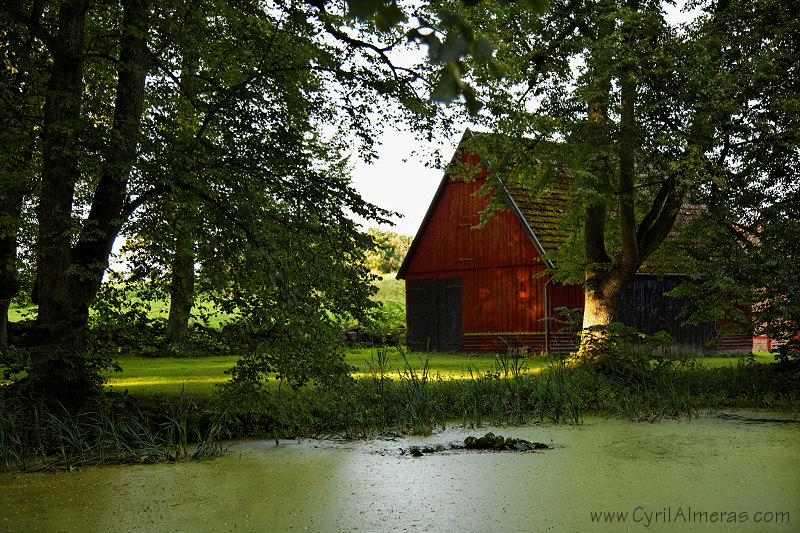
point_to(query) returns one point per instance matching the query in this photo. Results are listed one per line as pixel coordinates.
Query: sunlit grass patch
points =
(444, 363)
(170, 375)
(733, 360)
(160, 385)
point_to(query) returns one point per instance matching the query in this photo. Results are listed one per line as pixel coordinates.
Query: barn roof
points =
(542, 213)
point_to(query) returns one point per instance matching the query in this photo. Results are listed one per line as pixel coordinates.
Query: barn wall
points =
(644, 306)
(508, 299)
(503, 303)
(497, 264)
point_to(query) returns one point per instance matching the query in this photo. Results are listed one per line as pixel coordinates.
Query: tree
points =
(249, 162)
(644, 116)
(243, 130)
(21, 92)
(389, 251)
(746, 244)
(746, 275)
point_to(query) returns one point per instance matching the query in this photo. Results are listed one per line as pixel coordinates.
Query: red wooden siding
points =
(569, 296)
(499, 267)
(449, 240)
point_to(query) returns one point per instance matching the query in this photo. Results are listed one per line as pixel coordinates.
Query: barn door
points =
(434, 314)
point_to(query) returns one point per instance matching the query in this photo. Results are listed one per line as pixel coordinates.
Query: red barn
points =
(483, 290)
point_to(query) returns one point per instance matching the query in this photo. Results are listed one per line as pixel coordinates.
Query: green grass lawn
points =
(390, 289)
(17, 312)
(171, 375)
(715, 362)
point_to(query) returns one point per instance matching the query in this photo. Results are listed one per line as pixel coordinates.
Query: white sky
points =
(399, 181)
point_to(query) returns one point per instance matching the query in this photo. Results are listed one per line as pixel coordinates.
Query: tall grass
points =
(559, 394)
(407, 403)
(43, 440)
(412, 399)
(409, 398)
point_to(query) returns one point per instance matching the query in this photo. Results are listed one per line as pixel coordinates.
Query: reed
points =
(60, 440)
(415, 409)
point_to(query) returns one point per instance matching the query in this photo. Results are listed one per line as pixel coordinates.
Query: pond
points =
(709, 473)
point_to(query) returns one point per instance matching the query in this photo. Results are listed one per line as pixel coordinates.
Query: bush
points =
(385, 325)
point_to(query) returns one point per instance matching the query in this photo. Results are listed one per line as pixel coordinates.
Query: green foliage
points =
(419, 401)
(385, 325)
(746, 277)
(71, 382)
(14, 361)
(389, 252)
(293, 350)
(122, 323)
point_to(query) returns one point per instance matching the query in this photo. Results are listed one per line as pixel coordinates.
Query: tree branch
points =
(33, 22)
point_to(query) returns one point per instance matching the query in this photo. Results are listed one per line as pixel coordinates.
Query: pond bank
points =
(667, 476)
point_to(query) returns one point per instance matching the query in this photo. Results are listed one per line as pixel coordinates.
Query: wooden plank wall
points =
(450, 241)
(497, 264)
(644, 306)
(499, 268)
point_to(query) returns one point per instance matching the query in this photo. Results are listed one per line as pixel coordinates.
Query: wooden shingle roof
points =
(543, 213)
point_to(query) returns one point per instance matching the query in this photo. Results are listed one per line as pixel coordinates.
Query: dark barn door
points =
(434, 315)
(645, 307)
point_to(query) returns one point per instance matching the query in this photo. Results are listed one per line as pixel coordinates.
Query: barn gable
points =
(450, 240)
(479, 289)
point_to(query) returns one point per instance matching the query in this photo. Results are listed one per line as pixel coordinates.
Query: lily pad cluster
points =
(490, 442)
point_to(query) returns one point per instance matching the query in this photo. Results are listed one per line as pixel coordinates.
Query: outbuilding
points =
(486, 289)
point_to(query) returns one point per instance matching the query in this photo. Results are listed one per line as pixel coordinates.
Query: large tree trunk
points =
(181, 289)
(106, 216)
(182, 282)
(60, 173)
(606, 279)
(56, 375)
(67, 278)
